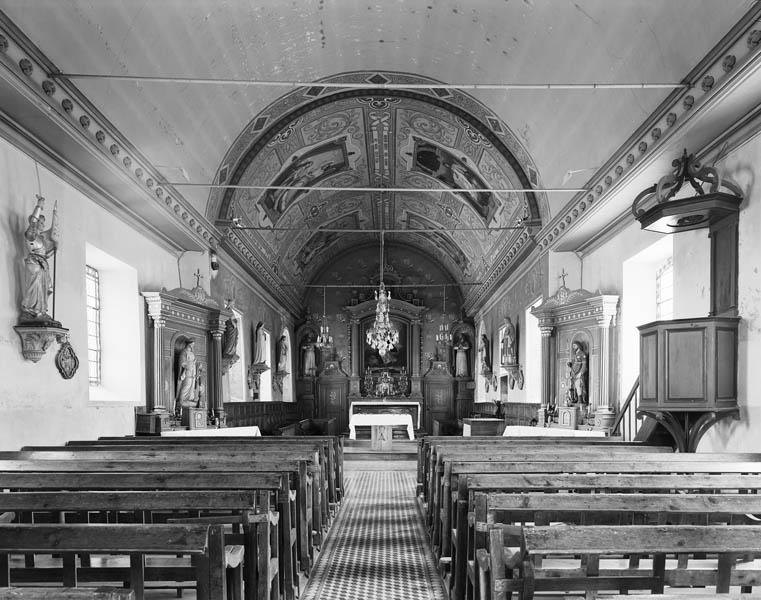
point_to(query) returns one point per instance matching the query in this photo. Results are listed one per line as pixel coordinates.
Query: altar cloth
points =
(252, 431)
(380, 419)
(526, 431)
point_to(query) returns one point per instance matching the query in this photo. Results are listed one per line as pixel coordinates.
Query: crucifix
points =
(198, 277)
(563, 275)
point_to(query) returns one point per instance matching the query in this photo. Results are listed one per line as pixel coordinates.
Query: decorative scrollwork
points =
(686, 169)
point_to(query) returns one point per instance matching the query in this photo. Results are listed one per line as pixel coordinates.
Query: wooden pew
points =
(440, 507)
(514, 570)
(323, 456)
(427, 448)
(334, 445)
(134, 482)
(609, 461)
(249, 509)
(204, 543)
(453, 523)
(307, 497)
(46, 593)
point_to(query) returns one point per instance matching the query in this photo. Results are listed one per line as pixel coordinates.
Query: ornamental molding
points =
(397, 308)
(30, 69)
(709, 80)
(570, 306)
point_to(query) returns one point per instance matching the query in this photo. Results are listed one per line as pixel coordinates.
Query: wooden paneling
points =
(685, 376)
(726, 374)
(649, 366)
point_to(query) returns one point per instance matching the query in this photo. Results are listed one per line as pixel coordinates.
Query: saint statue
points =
(576, 374)
(369, 384)
(461, 357)
(484, 350)
(260, 341)
(282, 360)
(509, 356)
(186, 378)
(230, 338)
(310, 365)
(579, 373)
(38, 283)
(201, 387)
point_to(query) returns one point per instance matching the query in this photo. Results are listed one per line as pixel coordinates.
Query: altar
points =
(379, 420)
(376, 407)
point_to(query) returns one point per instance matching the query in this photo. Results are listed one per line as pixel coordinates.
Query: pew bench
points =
(590, 559)
(298, 470)
(147, 492)
(203, 543)
(249, 511)
(47, 593)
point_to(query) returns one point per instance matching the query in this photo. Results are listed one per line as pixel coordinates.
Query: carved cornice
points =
(509, 259)
(28, 68)
(712, 76)
(395, 308)
(194, 307)
(567, 306)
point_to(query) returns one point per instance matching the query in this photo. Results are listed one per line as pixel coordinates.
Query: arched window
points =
(265, 383)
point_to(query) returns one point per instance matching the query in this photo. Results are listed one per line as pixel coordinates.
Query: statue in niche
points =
(576, 374)
(461, 348)
(230, 344)
(201, 387)
(38, 283)
(186, 378)
(282, 360)
(509, 355)
(260, 341)
(310, 364)
(484, 351)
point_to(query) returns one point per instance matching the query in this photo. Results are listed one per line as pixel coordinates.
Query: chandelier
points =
(443, 336)
(382, 336)
(324, 339)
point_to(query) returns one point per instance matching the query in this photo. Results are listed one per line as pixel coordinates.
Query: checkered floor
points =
(376, 548)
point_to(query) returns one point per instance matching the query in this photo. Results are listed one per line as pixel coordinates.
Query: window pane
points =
(92, 280)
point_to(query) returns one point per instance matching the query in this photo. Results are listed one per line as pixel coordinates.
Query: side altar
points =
(185, 353)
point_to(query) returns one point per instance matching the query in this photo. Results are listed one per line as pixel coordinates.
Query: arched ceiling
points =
(149, 149)
(430, 141)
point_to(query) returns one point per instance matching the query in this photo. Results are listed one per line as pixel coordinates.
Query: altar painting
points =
(394, 360)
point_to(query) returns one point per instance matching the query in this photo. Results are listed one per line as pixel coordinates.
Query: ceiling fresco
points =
(376, 139)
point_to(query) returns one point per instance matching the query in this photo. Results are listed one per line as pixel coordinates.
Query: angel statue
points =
(38, 283)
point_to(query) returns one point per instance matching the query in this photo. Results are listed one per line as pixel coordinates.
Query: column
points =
(604, 398)
(356, 349)
(548, 364)
(216, 406)
(415, 385)
(159, 399)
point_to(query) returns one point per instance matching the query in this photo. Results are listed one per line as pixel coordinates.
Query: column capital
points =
(546, 330)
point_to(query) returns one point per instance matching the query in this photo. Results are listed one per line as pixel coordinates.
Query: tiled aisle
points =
(377, 548)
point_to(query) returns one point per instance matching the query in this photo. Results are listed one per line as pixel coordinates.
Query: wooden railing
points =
(626, 424)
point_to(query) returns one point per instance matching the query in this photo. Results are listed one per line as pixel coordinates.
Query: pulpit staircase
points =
(630, 427)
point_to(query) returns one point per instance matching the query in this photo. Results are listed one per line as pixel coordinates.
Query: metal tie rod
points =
(329, 188)
(377, 86)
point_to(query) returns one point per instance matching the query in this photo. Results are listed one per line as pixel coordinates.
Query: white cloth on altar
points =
(527, 431)
(380, 419)
(252, 431)
(386, 404)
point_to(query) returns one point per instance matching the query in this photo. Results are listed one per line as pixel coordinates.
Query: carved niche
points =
(587, 320)
(177, 317)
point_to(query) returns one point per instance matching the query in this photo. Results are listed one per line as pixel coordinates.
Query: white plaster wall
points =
(692, 274)
(36, 404)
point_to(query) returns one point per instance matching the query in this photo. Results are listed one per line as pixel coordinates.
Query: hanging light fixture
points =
(443, 336)
(324, 339)
(382, 336)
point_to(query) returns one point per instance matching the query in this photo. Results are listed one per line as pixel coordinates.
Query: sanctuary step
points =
(361, 450)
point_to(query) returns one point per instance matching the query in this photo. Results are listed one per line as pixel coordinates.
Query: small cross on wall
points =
(198, 277)
(563, 275)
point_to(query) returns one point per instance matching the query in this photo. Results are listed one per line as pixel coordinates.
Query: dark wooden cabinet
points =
(332, 396)
(689, 364)
(438, 395)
